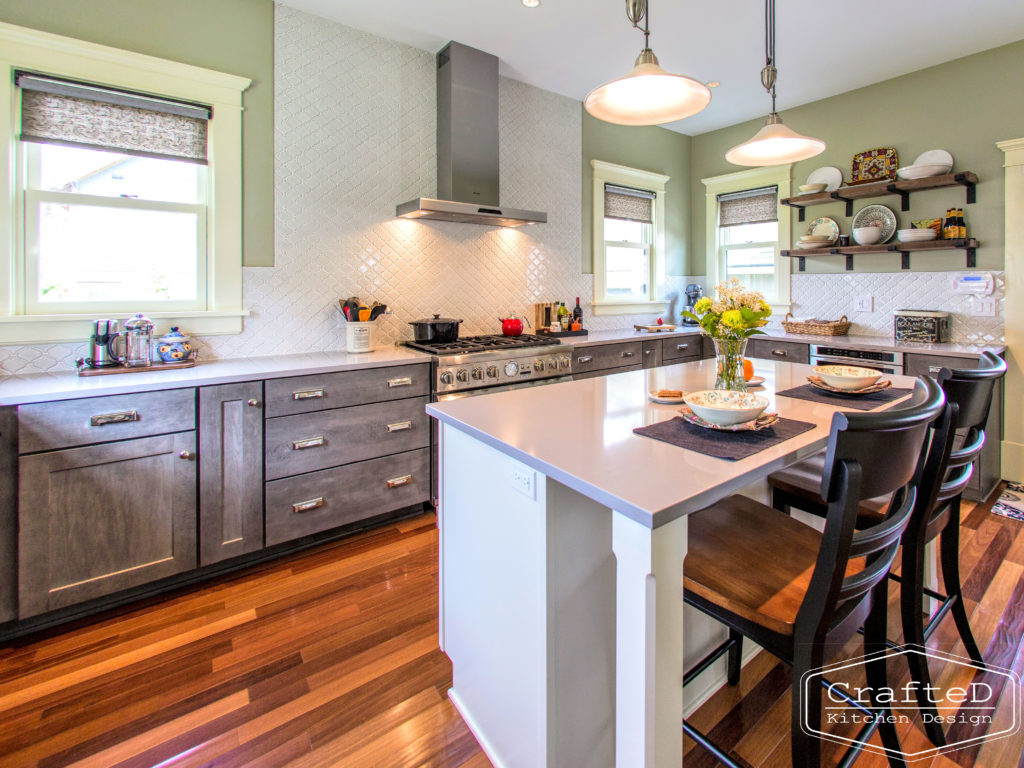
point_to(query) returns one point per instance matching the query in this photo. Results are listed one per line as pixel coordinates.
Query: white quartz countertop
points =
(627, 334)
(67, 385)
(580, 434)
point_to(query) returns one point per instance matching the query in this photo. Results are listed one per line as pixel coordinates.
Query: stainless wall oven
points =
(880, 360)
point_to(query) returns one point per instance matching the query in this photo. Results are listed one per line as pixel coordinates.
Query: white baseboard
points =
(470, 721)
(697, 693)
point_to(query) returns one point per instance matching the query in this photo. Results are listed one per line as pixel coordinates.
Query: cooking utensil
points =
(377, 310)
(440, 329)
(512, 326)
(364, 314)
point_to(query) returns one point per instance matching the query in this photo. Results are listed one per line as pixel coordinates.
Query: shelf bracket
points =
(904, 256)
(801, 264)
(849, 203)
(904, 196)
(849, 262)
(800, 208)
(962, 179)
(972, 258)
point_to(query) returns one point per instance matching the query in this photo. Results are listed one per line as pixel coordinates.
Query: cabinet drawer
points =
(47, 426)
(770, 349)
(603, 356)
(310, 441)
(319, 501)
(303, 394)
(652, 353)
(930, 365)
(680, 348)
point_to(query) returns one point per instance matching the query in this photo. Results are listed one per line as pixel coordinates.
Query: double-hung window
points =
(748, 237)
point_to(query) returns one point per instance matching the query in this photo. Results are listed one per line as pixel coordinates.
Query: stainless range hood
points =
(467, 145)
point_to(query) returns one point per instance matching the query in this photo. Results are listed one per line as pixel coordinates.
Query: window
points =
(112, 204)
(748, 237)
(744, 231)
(629, 238)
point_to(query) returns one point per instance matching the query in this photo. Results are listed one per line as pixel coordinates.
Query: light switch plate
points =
(524, 480)
(863, 303)
(984, 306)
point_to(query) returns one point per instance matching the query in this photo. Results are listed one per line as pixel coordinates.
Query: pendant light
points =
(647, 95)
(776, 143)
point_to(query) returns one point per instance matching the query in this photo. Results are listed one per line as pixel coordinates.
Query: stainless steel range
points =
(478, 365)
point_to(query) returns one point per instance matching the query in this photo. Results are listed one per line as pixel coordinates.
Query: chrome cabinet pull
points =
(779, 352)
(648, 351)
(309, 442)
(628, 354)
(682, 346)
(405, 381)
(186, 455)
(584, 359)
(395, 482)
(399, 426)
(252, 402)
(305, 506)
(120, 417)
(307, 394)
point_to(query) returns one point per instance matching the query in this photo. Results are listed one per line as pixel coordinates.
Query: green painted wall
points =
(235, 36)
(963, 106)
(650, 149)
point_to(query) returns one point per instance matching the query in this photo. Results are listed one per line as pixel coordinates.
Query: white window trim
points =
(774, 175)
(630, 177)
(22, 48)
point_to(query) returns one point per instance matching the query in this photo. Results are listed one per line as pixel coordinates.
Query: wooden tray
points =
(559, 334)
(84, 370)
(655, 328)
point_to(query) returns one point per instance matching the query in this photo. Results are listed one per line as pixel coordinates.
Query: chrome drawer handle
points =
(395, 482)
(629, 354)
(682, 346)
(309, 442)
(934, 368)
(119, 417)
(779, 352)
(405, 381)
(399, 426)
(646, 352)
(305, 506)
(307, 394)
(584, 359)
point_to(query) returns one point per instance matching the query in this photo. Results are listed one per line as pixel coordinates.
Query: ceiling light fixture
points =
(776, 143)
(531, 3)
(647, 94)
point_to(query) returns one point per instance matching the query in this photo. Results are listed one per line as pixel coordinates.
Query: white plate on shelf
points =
(923, 170)
(828, 175)
(877, 216)
(935, 157)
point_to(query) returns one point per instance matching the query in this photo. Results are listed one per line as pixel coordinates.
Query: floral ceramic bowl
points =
(726, 407)
(847, 376)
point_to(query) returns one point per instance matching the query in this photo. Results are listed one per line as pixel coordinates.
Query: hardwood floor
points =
(330, 658)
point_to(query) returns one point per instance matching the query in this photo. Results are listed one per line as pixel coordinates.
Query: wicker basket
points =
(839, 327)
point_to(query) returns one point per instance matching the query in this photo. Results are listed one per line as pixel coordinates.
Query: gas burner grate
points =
(481, 344)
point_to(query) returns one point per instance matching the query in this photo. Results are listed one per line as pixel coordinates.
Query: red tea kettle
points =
(512, 326)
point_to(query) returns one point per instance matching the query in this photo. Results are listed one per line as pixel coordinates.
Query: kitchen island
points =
(563, 535)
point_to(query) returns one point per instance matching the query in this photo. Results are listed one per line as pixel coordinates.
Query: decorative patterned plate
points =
(763, 421)
(877, 216)
(878, 386)
(874, 165)
(654, 398)
(824, 226)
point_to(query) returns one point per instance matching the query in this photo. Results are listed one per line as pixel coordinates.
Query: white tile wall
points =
(828, 296)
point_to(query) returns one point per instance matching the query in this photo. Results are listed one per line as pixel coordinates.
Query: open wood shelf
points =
(900, 188)
(970, 245)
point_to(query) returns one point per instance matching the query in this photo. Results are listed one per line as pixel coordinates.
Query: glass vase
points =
(729, 358)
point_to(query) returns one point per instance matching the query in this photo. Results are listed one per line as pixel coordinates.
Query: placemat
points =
(722, 445)
(853, 402)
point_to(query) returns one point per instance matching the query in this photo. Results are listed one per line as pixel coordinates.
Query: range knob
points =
(563, 361)
(492, 371)
(538, 365)
(462, 375)
(552, 364)
(446, 377)
(478, 373)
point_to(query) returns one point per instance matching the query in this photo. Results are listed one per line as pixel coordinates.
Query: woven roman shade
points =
(628, 203)
(57, 111)
(752, 206)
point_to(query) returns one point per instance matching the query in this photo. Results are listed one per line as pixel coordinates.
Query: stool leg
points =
(735, 656)
(778, 502)
(949, 545)
(912, 615)
(805, 748)
(875, 670)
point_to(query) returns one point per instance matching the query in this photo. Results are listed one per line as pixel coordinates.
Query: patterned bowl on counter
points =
(847, 376)
(725, 407)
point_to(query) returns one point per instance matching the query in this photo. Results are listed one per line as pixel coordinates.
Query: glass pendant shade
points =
(647, 95)
(776, 143)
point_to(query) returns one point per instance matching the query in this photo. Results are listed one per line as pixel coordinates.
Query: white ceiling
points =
(823, 48)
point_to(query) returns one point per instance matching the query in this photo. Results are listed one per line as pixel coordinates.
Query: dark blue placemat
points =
(853, 402)
(723, 445)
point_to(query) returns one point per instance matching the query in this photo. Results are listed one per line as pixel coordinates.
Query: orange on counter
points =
(748, 369)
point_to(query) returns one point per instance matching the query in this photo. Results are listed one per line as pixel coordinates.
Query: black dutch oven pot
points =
(441, 329)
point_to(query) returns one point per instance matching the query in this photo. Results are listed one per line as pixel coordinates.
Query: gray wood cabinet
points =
(605, 356)
(680, 349)
(782, 351)
(652, 353)
(303, 394)
(8, 514)
(230, 471)
(104, 518)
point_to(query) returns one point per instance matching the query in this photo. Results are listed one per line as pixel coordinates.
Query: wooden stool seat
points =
(803, 480)
(753, 561)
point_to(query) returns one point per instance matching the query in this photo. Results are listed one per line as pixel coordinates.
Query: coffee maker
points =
(101, 343)
(693, 294)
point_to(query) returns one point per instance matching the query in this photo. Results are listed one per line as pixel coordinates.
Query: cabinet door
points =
(100, 519)
(230, 470)
(8, 514)
(652, 353)
(680, 349)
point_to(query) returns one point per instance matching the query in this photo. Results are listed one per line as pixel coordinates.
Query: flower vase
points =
(729, 359)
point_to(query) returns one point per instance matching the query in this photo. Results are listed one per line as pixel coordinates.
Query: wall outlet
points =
(524, 480)
(983, 306)
(864, 303)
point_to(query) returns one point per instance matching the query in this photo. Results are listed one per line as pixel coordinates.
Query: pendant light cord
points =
(770, 73)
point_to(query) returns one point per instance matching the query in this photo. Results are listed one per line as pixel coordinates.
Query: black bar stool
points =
(937, 513)
(801, 594)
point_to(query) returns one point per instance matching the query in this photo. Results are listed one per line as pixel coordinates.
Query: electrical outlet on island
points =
(863, 303)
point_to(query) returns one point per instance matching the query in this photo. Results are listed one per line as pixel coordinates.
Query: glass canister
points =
(138, 340)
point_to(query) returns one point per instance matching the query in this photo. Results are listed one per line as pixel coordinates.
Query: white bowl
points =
(726, 407)
(808, 189)
(815, 239)
(847, 376)
(867, 235)
(923, 170)
(916, 235)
